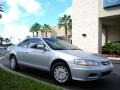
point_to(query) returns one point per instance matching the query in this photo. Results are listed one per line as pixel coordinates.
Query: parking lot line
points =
(2, 57)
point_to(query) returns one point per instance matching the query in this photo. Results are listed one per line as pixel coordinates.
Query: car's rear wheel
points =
(13, 63)
(61, 73)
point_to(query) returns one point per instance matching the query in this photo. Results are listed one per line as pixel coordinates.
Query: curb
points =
(23, 75)
(115, 61)
(112, 58)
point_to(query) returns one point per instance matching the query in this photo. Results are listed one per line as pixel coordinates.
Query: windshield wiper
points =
(75, 49)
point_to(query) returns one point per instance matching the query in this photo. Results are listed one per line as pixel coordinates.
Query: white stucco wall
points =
(111, 11)
(58, 31)
(40, 34)
(85, 21)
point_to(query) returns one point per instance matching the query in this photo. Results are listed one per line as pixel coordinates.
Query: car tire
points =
(13, 63)
(61, 73)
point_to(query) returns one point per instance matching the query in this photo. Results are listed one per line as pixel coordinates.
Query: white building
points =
(95, 22)
(60, 33)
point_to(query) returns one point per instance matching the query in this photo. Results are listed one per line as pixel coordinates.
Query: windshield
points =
(58, 44)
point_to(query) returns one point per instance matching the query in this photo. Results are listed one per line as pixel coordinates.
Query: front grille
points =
(92, 75)
(105, 73)
(105, 63)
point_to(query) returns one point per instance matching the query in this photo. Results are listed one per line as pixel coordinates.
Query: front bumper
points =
(89, 73)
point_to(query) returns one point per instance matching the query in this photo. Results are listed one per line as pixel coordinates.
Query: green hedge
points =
(111, 48)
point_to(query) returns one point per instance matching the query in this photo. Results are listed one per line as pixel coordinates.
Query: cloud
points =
(31, 6)
(14, 14)
(68, 11)
(16, 32)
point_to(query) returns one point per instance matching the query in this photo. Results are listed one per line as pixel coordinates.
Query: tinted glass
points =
(34, 42)
(58, 44)
(24, 43)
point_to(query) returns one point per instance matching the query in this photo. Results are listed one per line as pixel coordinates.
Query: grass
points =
(9, 81)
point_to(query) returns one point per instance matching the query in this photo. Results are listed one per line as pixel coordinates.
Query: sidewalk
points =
(113, 58)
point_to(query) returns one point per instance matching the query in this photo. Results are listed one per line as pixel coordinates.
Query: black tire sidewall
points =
(16, 64)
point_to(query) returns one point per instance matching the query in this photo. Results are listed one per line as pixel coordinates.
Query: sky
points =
(20, 15)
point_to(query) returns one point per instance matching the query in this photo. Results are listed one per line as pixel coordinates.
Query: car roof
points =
(35, 37)
(43, 37)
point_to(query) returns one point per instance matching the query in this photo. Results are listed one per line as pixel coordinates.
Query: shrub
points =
(111, 48)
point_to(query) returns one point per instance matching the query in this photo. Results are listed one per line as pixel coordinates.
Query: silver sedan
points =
(63, 60)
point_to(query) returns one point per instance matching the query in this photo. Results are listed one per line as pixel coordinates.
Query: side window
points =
(24, 43)
(34, 42)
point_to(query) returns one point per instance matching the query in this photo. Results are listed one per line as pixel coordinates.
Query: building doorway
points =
(110, 29)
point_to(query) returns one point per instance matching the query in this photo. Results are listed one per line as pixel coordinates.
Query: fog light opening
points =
(92, 75)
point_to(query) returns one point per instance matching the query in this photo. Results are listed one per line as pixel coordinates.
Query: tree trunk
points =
(33, 34)
(6, 44)
(0, 16)
(66, 37)
(42, 34)
(46, 34)
(1, 41)
(37, 34)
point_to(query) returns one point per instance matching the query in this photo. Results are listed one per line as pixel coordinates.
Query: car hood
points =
(84, 55)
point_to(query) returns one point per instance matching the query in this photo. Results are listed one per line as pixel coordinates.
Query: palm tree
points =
(7, 40)
(46, 29)
(32, 30)
(35, 28)
(70, 24)
(1, 40)
(66, 23)
(42, 30)
(1, 10)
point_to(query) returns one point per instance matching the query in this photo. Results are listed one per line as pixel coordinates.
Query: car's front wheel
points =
(61, 73)
(13, 63)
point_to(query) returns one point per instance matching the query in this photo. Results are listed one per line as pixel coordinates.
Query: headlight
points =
(85, 62)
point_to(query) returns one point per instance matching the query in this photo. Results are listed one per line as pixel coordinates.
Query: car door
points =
(37, 57)
(21, 51)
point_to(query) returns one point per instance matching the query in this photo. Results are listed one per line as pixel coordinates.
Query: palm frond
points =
(65, 22)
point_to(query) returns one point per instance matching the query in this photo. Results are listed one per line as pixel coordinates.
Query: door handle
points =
(26, 52)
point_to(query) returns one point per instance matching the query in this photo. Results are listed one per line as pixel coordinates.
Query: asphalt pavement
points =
(2, 52)
(112, 82)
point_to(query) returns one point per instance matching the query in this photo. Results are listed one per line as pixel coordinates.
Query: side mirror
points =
(32, 45)
(41, 46)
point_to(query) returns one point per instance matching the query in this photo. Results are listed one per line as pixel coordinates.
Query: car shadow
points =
(102, 84)
(111, 82)
(36, 73)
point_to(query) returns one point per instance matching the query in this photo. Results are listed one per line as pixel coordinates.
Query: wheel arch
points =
(67, 67)
(58, 60)
(12, 54)
(16, 66)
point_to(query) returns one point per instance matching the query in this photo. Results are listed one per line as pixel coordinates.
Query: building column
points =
(85, 31)
(100, 31)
